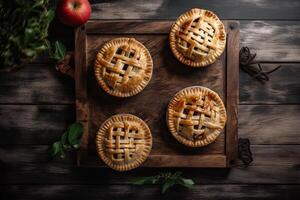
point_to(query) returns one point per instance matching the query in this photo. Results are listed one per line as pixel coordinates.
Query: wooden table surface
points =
(37, 104)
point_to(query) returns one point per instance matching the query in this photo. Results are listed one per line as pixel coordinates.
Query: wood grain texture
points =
(29, 164)
(232, 91)
(269, 124)
(34, 124)
(272, 41)
(169, 78)
(43, 124)
(282, 88)
(108, 192)
(170, 9)
(46, 86)
(38, 83)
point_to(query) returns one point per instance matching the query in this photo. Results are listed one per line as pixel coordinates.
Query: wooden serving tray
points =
(94, 106)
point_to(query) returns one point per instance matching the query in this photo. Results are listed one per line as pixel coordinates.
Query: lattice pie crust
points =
(197, 38)
(124, 142)
(123, 67)
(196, 116)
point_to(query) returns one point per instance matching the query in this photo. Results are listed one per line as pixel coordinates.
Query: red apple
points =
(73, 12)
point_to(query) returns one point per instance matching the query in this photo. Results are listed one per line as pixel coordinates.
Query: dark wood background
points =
(37, 104)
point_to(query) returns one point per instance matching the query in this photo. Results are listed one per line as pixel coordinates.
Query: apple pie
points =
(123, 67)
(197, 38)
(196, 116)
(123, 142)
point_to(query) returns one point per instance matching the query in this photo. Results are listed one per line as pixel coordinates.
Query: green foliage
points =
(70, 140)
(167, 180)
(56, 51)
(23, 30)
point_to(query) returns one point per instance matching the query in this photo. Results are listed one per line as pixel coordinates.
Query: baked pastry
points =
(196, 116)
(197, 38)
(123, 67)
(124, 142)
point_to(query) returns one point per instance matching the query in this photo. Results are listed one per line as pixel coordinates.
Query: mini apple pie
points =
(123, 67)
(124, 142)
(197, 38)
(196, 116)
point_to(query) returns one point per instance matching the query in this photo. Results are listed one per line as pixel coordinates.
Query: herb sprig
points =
(167, 180)
(57, 51)
(70, 140)
(23, 31)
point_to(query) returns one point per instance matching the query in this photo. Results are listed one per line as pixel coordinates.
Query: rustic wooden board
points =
(29, 164)
(107, 192)
(170, 9)
(44, 124)
(94, 106)
(45, 86)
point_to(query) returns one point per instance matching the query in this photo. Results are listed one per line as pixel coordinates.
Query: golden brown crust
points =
(123, 67)
(197, 38)
(123, 142)
(196, 116)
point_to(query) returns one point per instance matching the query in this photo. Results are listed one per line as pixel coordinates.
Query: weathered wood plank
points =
(283, 87)
(164, 152)
(104, 192)
(109, 192)
(39, 84)
(272, 40)
(43, 124)
(270, 124)
(29, 164)
(32, 124)
(170, 9)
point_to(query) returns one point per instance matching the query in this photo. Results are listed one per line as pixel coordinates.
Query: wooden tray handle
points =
(64, 66)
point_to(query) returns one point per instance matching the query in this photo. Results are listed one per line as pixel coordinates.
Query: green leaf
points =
(49, 48)
(143, 180)
(28, 35)
(76, 146)
(56, 147)
(189, 183)
(177, 174)
(75, 132)
(59, 51)
(64, 138)
(62, 154)
(50, 15)
(167, 185)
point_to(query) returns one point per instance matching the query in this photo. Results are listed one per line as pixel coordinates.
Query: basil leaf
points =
(59, 51)
(62, 154)
(56, 147)
(189, 183)
(167, 185)
(50, 15)
(143, 180)
(64, 138)
(77, 145)
(28, 36)
(75, 132)
(177, 174)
